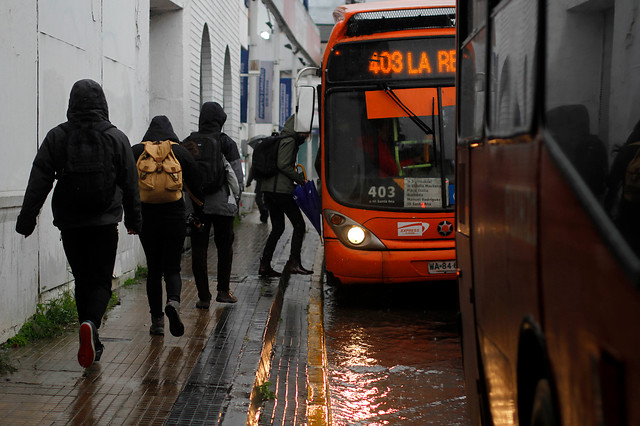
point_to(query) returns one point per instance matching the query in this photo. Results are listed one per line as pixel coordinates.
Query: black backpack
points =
(87, 180)
(207, 151)
(264, 161)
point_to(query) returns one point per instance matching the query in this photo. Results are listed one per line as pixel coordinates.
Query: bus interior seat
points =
(569, 126)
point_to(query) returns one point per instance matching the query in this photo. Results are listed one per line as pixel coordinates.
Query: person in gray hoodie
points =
(88, 228)
(219, 209)
(277, 195)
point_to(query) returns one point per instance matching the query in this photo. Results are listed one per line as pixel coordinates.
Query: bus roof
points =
(345, 11)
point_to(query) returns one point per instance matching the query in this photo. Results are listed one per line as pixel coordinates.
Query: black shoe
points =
(99, 350)
(264, 218)
(203, 304)
(157, 326)
(267, 271)
(295, 267)
(226, 297)
(172, 310)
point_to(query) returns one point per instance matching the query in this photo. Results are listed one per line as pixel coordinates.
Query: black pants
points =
(223, 237)
(264, 212)
(162, 239)
(280, 205)
(91, 253)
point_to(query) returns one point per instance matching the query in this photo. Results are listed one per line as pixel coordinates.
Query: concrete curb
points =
(264, 363)
(318, 401)
(317, 391)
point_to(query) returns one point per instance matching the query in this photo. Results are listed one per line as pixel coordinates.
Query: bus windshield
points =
(379, 158)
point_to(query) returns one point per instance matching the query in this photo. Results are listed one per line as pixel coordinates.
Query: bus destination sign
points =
(397, 59)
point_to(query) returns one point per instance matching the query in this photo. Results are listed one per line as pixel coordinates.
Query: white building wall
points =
(166, 68)
(221, 18)
(18, 118)
(45, 47)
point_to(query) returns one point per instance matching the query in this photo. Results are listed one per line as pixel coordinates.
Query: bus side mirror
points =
(305, 107)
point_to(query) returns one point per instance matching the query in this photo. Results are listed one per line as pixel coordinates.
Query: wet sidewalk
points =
(259, 361)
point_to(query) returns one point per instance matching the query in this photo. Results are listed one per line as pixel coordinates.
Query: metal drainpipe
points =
(251, 90)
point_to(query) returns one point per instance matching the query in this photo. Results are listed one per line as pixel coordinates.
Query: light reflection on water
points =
(392, 364)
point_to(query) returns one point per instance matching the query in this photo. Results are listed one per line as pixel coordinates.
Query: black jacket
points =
(87, 104)
(160, 129)
(212, 118)
(287, 177)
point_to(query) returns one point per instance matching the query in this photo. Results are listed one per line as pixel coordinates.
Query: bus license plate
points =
(442, 267)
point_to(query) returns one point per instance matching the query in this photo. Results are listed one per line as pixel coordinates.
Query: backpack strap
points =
(193, 197)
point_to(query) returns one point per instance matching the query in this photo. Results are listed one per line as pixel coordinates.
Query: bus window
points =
(391, 162)
(512, 71)
(593, 116)
(472, 82)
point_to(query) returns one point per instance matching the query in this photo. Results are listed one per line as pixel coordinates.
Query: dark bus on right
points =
(548, 210)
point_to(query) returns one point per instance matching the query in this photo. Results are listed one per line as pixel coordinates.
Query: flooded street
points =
(394, 355)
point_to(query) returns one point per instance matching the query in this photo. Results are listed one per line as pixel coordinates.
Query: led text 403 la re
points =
(397, 62)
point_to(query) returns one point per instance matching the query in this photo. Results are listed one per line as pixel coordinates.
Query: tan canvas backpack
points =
(159, 173)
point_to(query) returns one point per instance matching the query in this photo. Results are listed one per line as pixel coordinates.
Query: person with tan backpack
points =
(165, 169)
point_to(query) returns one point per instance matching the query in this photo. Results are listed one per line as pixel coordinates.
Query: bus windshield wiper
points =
(389, 91)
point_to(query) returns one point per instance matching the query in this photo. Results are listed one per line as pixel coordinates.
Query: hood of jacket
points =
(288, 130)
(212, 118)
(160, 129)
(87, 102)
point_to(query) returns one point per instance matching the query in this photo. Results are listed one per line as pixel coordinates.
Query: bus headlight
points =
(355, 235)
(351, 233)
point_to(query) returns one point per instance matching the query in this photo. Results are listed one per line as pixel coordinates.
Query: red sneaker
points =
(87, 351)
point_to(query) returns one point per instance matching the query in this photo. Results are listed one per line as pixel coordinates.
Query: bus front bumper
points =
(399, 266)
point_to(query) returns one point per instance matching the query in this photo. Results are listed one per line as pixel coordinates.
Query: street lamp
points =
(266, 34)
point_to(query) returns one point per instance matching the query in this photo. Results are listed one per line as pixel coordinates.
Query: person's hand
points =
(24, 226)
(198, 212)
(131, 231)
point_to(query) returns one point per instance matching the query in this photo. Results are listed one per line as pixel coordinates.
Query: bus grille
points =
(396, 20)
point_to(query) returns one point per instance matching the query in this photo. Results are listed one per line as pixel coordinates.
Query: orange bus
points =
(388, 144)
(548, 216)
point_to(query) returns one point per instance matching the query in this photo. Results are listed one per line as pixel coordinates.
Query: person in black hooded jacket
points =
(89, 234)
(220, 208)
(163, 233)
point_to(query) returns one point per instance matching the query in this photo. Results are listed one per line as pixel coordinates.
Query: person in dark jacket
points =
(219, 210)
(89, 236)
(163, 233)
(277, 195)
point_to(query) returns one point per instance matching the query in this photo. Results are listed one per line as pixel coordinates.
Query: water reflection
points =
(394, 361)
